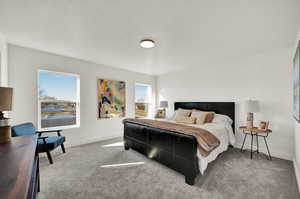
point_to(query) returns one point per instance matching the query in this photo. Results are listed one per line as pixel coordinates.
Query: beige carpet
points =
(101, 170)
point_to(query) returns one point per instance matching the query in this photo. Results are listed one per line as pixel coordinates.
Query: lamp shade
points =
(252, 106)
(5, 98)
(163, 104)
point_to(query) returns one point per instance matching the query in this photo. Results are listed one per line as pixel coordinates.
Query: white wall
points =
(3, 61)
(297, 153)
(23, 65)
(266, 77)
(297, 134)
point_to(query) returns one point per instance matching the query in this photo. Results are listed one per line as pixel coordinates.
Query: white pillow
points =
(181, 113)
(196, 113)
(199, 115)
(173, 116)
(221, 119)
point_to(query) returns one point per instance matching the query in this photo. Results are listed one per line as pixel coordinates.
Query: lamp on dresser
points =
(163, 105)
(251, 106)
(5, 105)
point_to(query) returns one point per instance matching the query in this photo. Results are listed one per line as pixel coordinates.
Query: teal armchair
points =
(45, 144)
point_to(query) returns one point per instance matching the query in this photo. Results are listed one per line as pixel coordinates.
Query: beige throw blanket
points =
(207, 142)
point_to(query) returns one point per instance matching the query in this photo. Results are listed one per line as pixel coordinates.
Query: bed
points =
(179, 151)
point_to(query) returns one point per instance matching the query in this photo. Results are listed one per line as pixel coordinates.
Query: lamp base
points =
(249, 124)
(4, 134)
(250, 119)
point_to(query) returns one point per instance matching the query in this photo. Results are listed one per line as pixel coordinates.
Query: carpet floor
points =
(101, 170)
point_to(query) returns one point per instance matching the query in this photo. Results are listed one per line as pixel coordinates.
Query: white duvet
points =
(224, 132)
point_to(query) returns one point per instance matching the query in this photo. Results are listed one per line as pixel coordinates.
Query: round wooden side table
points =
(258, 133)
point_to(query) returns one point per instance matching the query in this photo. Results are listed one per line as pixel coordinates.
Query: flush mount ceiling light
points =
(147, 43)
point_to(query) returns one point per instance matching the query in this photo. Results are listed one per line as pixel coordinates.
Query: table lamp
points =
(164, 105)
(251, 106)
(5, 105)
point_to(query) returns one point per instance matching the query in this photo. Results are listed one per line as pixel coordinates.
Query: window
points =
(58, 100)
(143, 97)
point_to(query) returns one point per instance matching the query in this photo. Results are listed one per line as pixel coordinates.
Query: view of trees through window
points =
(142, 100)
(58, 100)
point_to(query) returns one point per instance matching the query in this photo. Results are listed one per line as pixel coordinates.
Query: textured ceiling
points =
(188, 33)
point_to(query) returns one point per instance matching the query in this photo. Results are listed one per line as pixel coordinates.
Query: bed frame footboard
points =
(176, 151)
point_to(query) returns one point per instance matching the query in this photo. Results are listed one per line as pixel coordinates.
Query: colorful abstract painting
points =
(111, 98)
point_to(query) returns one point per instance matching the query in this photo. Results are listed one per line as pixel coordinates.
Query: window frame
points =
(77, 125)
(150, 102)
(143, 84)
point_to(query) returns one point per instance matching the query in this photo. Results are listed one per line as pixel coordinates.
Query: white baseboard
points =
(296, 167)
(263, 149)
(91, 140)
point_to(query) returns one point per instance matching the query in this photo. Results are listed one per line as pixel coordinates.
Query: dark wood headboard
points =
(225, 108)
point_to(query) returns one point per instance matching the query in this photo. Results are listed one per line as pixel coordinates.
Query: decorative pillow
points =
(196, 113)
(199, 115)
(209, 117)
(173, 115)
(182, 113)
(202, 117)
(186, 120)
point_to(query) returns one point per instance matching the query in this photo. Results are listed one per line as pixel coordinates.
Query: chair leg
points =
(63, 148)
(38, 174)
(49, 157)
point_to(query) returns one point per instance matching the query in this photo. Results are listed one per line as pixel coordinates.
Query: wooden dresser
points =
(19, 168)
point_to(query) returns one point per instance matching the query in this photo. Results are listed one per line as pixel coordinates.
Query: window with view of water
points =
(58, 100)
(142, 100)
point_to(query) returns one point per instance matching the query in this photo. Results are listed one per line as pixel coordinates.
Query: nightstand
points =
(258, 133)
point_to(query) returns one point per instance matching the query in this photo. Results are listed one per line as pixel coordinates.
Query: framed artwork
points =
(264, 125)
(111, 98)
(296, 84)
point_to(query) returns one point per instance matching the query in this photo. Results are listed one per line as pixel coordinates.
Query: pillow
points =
(209, 117)
(202, 117)
(173, 116)
(221, 119)
(186, 120)
(196, 113)
(181, 113)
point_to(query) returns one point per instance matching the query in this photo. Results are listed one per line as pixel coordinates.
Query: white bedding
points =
(224, 132)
